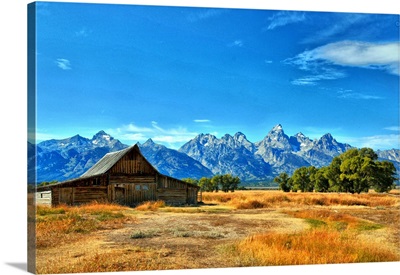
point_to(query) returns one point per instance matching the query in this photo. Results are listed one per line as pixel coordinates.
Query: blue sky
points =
(170, 73)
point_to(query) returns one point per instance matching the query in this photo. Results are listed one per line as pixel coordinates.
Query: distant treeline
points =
(224, 183)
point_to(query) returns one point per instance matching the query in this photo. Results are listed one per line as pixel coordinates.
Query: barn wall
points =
(132, 163)
(176, 192)
(55, 196)
(83, 195)
(78, 195)
(119, 179)
(132, 194)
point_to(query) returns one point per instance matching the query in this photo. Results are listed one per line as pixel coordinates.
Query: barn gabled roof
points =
(108, 161)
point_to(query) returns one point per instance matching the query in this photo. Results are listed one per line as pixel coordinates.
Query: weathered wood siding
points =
(78, 195)
(132, 194)
(89, 194)
(55, 196)
(192, 195)
(119, 179)
(132, 163)
(175, 192)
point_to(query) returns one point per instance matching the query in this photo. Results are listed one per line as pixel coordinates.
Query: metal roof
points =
(106, 162)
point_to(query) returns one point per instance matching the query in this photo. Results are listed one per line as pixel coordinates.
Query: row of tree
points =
(225, 183)
(355, 171)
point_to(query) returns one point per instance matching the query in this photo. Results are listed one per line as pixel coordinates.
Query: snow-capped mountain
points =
(203, 156)
(228, 155)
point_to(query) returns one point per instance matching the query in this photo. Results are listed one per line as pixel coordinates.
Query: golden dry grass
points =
(63, 224)
(318, 246)
(150, 205)
(272, 199)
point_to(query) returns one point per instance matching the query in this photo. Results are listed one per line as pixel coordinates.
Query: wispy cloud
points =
(284, 18)
(340, 24)
(382, 56)
(236, 43)
(350, 94)
(202, 120)
(63, 63)
(171, 137)
(381, 142)
(203, 14)
(84, 32)
(392, 128)
(323, 74)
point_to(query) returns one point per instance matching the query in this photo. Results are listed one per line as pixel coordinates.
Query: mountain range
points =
(203, 156)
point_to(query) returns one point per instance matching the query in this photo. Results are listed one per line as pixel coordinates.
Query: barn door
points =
(119, 195)
(66, 195)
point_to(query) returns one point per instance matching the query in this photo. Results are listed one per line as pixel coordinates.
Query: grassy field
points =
(244, 228)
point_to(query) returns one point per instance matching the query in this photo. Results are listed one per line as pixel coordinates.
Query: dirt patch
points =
(197, 233)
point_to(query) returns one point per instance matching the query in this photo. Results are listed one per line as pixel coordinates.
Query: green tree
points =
(301, 179)
(333, 175)
(385, 177)
(190, 180)
(216, 181)
(205, 184)
(358, 170)
(283, 180)
(229, 183)
(321, 181)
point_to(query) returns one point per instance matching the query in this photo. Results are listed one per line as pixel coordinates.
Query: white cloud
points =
(350, 94)
(134, 128)
(203, 14)
(381, 142)
(82, 32)
(393, 128)
(312, 80)
(284, 18)
(171, 137)
(383, 56)
(236, 43)
(63, 63)
(202, 120)
(343, 22)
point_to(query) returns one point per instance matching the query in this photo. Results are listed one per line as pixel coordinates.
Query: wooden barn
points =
(124, 177)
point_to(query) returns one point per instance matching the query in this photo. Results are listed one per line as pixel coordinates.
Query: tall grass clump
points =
(318, 246)
(150, 205)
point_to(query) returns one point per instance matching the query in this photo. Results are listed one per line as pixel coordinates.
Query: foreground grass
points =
(316, 246)
(68, 243)
(272, 199)
(64, 224)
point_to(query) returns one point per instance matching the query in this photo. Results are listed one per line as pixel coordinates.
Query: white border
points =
(13, 126)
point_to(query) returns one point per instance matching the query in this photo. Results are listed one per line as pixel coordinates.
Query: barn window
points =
(145, 187)
(137, 187)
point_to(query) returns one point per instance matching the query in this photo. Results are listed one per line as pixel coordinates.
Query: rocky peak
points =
(149, 142)
(276, 138)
